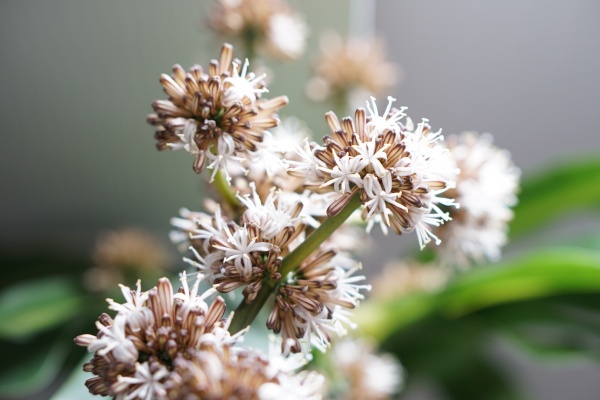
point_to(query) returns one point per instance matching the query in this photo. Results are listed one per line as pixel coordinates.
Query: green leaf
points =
(74, 387)
(571, 186)
(33, 306)
(541, 274)
(459, 383)
(36, 372)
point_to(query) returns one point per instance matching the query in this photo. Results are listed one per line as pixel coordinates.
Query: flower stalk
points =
(245, 313)
(225, 191)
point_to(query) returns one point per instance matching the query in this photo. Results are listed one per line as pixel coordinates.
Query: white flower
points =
(225, 158)
(314, 205)
(241, 245)
(190, 300)
(369, 155)
(137, 313)
(286, 35)
(243, 85)
(347, 291)
(308, 166)
(281, 359)
(267, 159)
(113, 340)
(381, 196)
(319, 327)
(305, 385)
(345, 171)
(398, 171)
(272, 216)
(388, 120)
(186, 134)
(148, 383)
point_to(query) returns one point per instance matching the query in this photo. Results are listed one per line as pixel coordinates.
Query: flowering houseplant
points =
(272, 232)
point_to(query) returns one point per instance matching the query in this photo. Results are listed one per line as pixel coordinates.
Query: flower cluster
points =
(266, 167)
(366, 374)
(314, 301)
(396, 169)
(486, 189)
(121, 252)
(232, 255)
(276, 29)
(218, 116)
(311, 302)
(165, 345)
(353, 68)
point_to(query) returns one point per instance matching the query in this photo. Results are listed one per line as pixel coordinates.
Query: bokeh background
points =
(78, 77)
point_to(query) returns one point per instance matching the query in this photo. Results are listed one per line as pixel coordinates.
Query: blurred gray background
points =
(78, 77)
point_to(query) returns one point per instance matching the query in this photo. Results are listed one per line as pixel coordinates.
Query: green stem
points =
(313, 242)
(250, 44)
(225, 191)
(245, 313)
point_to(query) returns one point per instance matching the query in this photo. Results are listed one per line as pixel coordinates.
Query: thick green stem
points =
(245, 313)
(313, 242)
(225, 191)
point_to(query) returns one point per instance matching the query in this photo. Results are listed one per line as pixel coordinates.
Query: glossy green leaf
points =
(568, 187)
(542, 274)
(33, 306)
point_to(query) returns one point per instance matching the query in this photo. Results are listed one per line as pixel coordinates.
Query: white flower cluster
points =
(486, 188)
(312, 301)
(217, 116)
(367, 375)
(396, 168)
(161, 344)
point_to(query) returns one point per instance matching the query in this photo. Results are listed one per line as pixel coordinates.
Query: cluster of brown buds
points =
(165, 345)
(311, 301)
(397, 170)
(216, 115)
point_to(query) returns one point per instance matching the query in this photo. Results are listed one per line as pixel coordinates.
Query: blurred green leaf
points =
(541, 274)
(33, 306)
(546, 303)
(36, 372)
(74, 387)
(570, 186)
(457, 383)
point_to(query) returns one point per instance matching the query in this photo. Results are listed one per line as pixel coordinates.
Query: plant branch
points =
(245, 313)
(225, 191)
(313, 242)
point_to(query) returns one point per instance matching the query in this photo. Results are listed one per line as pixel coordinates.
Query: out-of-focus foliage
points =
(561, 189)
(545, 303)
(34, 306)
